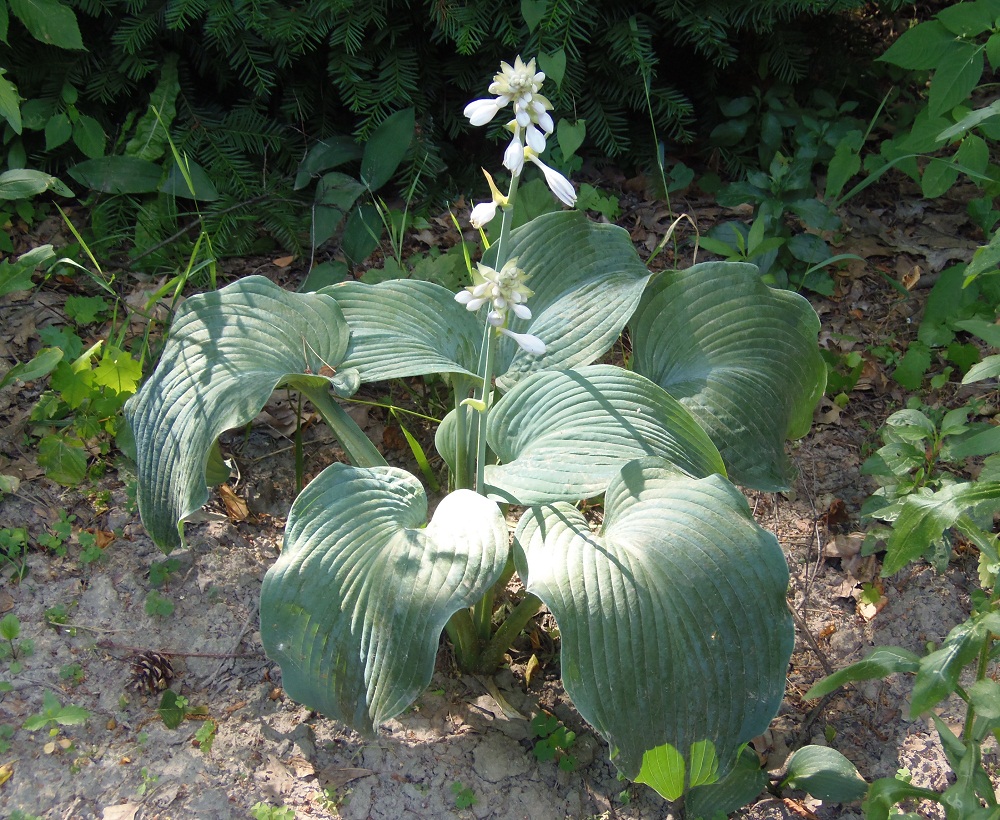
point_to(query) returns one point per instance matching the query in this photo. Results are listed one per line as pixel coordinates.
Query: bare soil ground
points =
(125, 763)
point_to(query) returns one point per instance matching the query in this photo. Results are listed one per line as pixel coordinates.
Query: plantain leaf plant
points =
(675, 632)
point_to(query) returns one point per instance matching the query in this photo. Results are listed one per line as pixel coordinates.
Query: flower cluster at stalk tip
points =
(519, 84)
(504, 290)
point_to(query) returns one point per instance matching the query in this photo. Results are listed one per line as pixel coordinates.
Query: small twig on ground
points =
(815, 712)
(105, 644)
(233, 654)
(800, 622)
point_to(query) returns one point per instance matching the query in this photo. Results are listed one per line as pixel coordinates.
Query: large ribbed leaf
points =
(407, 327)
(562, 435)
(741, 356)
(587, 280)
(227, 351)
(354, 607)
(675, 632)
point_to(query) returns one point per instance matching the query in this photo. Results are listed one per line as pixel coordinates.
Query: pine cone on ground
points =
(151, 672)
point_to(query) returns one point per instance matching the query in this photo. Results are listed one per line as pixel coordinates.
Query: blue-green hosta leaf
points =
(741, 356)
(923, 518)
(562, 435)
(734, 791)
(825, 774)
(354, 607)
(226, 352)
(587, 280)
(673, 618)
(407, 327)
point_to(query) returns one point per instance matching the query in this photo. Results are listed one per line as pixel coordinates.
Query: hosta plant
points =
(675, 633)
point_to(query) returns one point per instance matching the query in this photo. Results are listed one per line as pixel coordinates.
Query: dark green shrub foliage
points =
(261, 81)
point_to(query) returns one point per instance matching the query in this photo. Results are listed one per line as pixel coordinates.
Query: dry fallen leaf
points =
(844, 546)
(236, 507)
(867, 608)
(530, 669)
(333, 778)
(284, 261)
(301, 767)
(5, 772)
(123, 811)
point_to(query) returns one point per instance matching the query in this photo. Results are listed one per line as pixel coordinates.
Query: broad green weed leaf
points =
(984, 259)
(985, 698)
(362, 234)
(149, 142)
(119, 371)
(880, 662)
(58, 130)
(826, 774)
(25, 183)
(63, 459)
(49, 22)
(326, 154)
(742, 357)
(201, 188)
(973, 118)
(966, 19)
(922, 47)
(85, 310)
(354, 606)
(938, 674)
(924, 517)
(993, 51)
(74, 382)
(554, 66)
(973, 155)
(89, 137)
(562, 435)
(913, 366)
(41, 365)
(226, 352)
(988, 368)
(10, 102)
(171, 713)
(846, 162)
(938, 177)
(386, 148)
(885, 793)
(570, 136)
(637, 607)
(118, 175)
(533, 11)
(956, 76)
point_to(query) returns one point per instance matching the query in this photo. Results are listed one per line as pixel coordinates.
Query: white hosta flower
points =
(504, 289)
(481, 112)
(557, 183)
(535, 139)
(518, 84)
(483, 213)
(513, 157)
(527, 342)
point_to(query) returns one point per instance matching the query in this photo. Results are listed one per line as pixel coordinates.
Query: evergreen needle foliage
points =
(260, 82)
